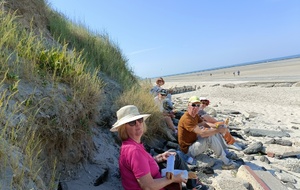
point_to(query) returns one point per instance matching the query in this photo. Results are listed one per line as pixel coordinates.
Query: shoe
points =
(191, 161)
(232, 156)
(230, 166)
(195, 184)
(235, 146)
(205, 170)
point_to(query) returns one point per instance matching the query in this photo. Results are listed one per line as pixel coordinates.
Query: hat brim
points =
(194, 101)
(126, 120)
(203, 98)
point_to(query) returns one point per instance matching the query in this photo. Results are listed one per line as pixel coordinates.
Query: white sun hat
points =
(126, 114)
(203, 98)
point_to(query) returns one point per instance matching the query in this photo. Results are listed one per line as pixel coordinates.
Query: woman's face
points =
(135, 129)
(160, 83)
(204, 103)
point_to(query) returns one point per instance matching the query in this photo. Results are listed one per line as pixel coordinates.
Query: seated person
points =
(212, 122)
(159, 101)
(159, 82)
(195, 136)
(138, 169)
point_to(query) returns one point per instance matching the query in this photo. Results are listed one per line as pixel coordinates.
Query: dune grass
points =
(97, 49)
(62, 76)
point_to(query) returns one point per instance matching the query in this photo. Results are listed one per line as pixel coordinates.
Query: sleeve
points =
(202, 113)
(190, 124)
(139, 163)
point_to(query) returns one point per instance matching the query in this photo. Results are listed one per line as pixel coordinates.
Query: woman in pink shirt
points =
(139, 170)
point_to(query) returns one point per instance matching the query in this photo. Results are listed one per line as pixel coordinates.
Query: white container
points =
(184, 173)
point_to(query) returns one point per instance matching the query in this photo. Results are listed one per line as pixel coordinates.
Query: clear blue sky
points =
(163, 37)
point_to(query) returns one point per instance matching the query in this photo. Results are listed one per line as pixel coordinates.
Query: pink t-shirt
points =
(134, 163)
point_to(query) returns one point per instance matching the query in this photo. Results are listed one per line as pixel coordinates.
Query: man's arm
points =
(204, 130)
(209, 119)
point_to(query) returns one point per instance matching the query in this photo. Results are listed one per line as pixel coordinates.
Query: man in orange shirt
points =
(212, 122)
(195, 136)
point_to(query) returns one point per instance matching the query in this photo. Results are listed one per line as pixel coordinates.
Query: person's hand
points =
(222, 129)
(179, 178)
(166, 154)
(172, 115)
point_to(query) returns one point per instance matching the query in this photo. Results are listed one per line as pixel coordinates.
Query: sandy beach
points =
(269, 92)
(284, 70)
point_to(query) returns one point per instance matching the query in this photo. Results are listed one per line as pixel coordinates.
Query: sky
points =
(166, 37)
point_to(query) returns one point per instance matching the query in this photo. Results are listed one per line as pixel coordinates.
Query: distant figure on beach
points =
(233, 73)
(210, 74)
(238, 72)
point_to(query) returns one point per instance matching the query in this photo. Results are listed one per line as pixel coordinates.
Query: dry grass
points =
(53, 123)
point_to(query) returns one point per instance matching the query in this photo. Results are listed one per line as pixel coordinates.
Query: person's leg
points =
(228, 138)
(170, 123)
(198, 147)
(179, 162)
(221, 140)
(217, 145)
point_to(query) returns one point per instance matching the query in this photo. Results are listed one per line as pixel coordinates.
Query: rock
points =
(248, 84)
(265, 159)
(281, 151)
(62, 186)
(254, 148)
(297, 84)
(290, 164)
(269, 85)
(249, 158)
(214, 85)
(204, 160)
(249, 115)
(285, 177)
(279, 142)
(102, 178)
(283, 85)
(283, 142)
(230, 85)
(266, 133)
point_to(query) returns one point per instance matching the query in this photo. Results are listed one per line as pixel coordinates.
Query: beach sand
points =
(273, 107)
(284, 70)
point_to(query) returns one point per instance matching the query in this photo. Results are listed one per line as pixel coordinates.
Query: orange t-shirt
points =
(186, 135)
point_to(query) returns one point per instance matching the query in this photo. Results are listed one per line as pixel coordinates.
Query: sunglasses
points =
(133, 123)
(163, 94)
(195, 105)
(206, 102)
